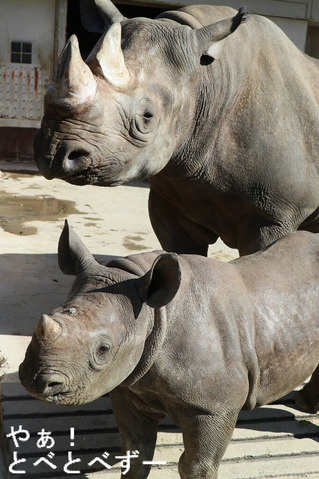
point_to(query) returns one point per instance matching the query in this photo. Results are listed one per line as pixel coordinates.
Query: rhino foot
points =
(308, 397)
(305, 402)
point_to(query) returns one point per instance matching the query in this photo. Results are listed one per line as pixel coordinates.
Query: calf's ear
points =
(160, 284)
(73, 255)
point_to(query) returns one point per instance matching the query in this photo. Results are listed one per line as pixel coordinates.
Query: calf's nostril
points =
(54, 385)
(53, 388)
(49, 385)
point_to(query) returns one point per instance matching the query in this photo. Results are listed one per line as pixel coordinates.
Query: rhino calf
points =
(184, 336)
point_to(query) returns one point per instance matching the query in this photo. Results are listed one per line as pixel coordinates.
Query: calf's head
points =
(100, 336)
(121, 114)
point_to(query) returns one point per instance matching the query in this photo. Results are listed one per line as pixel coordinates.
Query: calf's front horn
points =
(48, 328)
(73, 80)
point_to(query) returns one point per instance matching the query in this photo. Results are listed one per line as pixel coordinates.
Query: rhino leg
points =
(206, 438)
(138, 430)
(170, 226)
(308, 397)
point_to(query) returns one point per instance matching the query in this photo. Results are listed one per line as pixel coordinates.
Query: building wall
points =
(39, 26)
(312, 44)
(35, 22)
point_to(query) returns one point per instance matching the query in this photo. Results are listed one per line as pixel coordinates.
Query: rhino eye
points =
(100, 354)
(103, 349)
(147, 116)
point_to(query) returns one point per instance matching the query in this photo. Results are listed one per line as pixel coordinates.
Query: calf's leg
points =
(138, 431)
(206, 438)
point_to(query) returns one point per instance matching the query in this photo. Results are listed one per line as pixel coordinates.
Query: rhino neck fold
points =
(152, 346)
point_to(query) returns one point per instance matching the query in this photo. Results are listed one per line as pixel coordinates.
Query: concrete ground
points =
(276, 441)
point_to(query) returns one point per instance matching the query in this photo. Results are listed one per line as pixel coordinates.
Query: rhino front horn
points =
(48, 328)
(73, 80)
(108, 56)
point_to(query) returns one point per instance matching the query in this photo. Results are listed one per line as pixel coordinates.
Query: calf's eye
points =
(101, 354)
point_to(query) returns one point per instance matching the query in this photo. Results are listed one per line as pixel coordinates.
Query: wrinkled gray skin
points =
(230, 146)
(185, 336)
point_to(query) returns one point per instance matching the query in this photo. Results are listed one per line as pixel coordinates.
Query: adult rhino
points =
(230, 147)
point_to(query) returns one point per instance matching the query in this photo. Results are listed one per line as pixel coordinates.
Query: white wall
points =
(22, 85)
(30, 21)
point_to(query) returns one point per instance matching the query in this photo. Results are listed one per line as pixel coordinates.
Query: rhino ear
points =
(97, 15)
(109, 57)
(160, 284)
(210, 38)
(73, 255)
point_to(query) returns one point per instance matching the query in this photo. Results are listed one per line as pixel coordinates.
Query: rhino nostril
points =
(75, 161)
(50, 385)
(53, 385)
(53, 388)
(75, 155)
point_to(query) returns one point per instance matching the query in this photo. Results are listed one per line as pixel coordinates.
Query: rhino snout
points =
(49, 384)
(44, 385)
(74, 161)
(68, 160)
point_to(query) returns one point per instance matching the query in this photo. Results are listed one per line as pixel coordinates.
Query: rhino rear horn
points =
(109, 56)
(73, 78)
(210, 37)
(73, 255)
(97, 15)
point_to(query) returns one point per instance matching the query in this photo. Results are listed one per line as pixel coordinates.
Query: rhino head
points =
(121, 114)
(106, 333)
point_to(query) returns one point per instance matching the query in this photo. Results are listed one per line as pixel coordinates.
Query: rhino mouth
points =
(63, 398)
(80, 178)
(81, 172)
(58, 398)
(106, 175)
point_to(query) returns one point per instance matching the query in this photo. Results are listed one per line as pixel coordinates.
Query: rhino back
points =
(250, 319)
(197, 16)
(254, 138)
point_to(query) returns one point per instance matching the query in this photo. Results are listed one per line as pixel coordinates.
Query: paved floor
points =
(276, 441)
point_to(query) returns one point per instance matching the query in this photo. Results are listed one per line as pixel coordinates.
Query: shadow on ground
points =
(30, 285)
